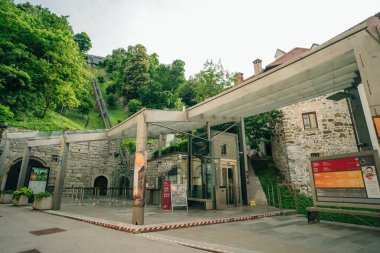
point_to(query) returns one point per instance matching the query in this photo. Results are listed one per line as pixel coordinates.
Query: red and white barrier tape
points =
(183, 225)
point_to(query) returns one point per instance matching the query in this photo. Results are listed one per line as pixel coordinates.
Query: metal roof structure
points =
(333, 66)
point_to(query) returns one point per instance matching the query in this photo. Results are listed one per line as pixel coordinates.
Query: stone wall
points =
(86, 160)
(293, 145)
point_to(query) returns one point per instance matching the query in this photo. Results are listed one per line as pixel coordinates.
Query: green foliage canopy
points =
(134, 74)
(210, 81)
(40, 63)
(83, 41)
(261, 128)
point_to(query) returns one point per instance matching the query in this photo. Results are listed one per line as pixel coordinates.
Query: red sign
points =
(343, 164)
(166, 198)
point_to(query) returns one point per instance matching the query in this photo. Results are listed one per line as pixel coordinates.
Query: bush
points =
(5, 113)
(6, 192)
(176, 146)
(134, 106)
(41, 195)
(101, 79)
(22, 191)
(111, 100)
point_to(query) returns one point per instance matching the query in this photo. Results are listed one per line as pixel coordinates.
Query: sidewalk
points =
(119, 216)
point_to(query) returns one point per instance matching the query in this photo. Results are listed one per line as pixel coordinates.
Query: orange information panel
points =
(350, 180)
(341, 179)
(376, 121)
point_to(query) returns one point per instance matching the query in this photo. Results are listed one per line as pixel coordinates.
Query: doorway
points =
(228, 178)
(14, 173)
(101, 182)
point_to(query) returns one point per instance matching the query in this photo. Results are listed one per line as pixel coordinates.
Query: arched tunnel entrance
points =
(14, 172)
(101, 182)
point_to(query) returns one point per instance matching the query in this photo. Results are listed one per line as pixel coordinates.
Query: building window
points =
(310, 120)
(223, 149)
(315, 154)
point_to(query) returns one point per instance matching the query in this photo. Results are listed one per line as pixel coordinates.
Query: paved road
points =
(279, 234)
(17, 222)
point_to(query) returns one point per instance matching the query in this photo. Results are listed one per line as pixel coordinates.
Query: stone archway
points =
(13, 171)
(102, 183)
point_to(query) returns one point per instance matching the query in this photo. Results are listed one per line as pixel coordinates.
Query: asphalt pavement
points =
(23, 229)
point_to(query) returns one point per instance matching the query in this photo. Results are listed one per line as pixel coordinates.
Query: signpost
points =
(166, 203)
(178, 195)
(349, 180)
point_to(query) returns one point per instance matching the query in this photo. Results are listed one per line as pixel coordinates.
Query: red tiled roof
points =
(288, 56)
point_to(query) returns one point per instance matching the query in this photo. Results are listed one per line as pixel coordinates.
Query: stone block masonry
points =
(293, 145)
(86, 161)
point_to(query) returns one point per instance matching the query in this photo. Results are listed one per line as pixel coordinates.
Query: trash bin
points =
(220, 197)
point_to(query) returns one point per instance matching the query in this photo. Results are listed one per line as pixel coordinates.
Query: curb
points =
(167, 227)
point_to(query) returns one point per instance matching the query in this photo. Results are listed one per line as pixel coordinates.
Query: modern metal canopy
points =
(333, 66)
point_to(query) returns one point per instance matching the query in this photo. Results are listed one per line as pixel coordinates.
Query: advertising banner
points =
(139, 178)
(166, 198)
(38, 179)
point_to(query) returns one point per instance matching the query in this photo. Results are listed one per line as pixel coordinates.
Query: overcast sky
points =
(234, 31)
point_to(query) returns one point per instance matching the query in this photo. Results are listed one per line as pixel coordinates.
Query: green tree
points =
(83, 41)
(261, 128)
(136, 71)
(115, 66)
(165, 80)
(211, 80)
(40, 64)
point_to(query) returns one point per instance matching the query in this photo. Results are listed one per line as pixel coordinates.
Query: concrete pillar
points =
(24, 167)
(3, 162)
(60, 180)
(245, 175)
(367, 54)
(368, 118)
(139, 178)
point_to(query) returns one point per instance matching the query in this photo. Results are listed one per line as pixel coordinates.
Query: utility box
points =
(220, 197)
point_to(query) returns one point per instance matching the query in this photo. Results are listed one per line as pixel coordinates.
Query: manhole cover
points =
(47, 231)
(31, 251)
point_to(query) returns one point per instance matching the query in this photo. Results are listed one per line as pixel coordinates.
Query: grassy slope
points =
(72, 120)
(52, 121)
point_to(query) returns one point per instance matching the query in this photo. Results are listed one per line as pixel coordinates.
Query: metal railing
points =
(97, 196)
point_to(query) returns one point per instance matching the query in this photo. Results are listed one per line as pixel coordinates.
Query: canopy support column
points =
(367, 53)
(24, 167)
(245, 174)
(139, 171)
(60, 180)
(3, 162)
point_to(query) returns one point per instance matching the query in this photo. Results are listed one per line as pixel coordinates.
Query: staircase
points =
(254, 188)
(101, 105)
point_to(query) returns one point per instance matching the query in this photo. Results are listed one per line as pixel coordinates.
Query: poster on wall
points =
(38, 179)
(370, 177)
(139, 178)
(348, 179)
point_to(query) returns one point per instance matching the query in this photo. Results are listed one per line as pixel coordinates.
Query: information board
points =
(38, 179)
(350, 180)
(178, 195)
